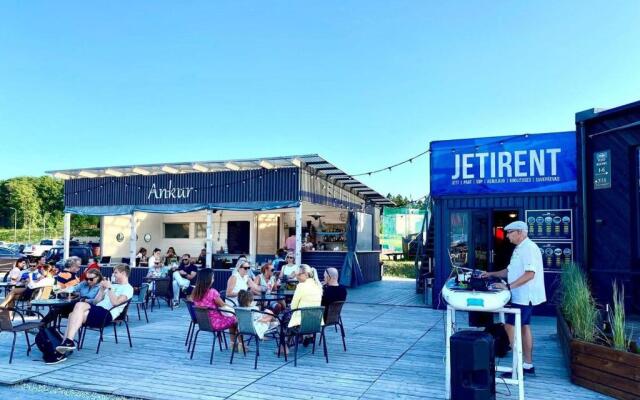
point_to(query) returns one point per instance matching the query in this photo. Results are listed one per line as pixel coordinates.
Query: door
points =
(502, 248)
(480, 247)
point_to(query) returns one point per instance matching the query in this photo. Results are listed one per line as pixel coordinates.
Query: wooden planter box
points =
(603, 369)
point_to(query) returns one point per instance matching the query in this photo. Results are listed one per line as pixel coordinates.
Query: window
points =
(459, 237)
(201, 230)
(176, 231)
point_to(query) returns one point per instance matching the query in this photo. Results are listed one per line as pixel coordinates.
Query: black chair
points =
(192, 324)
(105, 260)
(161, 289)
(6, 325)
(204, 324)
(122, 318)
(126, 260)
(310, 324)
(332, 317)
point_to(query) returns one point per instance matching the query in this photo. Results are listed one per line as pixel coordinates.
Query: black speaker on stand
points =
(473, 372)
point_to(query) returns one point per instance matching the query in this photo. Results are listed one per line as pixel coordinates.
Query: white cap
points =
(517, 226)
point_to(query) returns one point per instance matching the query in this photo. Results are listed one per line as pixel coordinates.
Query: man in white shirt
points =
(525, 279)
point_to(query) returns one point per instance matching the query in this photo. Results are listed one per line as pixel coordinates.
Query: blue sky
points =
(363, 83)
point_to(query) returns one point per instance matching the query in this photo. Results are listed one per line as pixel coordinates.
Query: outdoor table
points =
(152, 286)
(53, 303)
(7, 286)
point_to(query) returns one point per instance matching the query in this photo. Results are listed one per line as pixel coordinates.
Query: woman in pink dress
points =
(205, 296)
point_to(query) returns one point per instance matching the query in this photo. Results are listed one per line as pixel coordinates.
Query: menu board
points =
(550, 224)
(556, 254)
(602, 169)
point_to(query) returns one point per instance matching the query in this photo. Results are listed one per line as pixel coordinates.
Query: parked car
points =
(16, 247)
(43, 248)
(8, 257)
(83, 251)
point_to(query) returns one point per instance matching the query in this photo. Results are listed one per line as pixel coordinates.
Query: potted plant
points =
(596, 361)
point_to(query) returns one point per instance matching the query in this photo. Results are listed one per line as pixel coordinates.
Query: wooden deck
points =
(395, 351)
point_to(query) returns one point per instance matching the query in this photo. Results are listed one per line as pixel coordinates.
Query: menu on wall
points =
(550, 224)
(602, 169)
(556, 254)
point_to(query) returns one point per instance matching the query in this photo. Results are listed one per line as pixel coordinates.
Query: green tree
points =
(21, 194)
(50, 191)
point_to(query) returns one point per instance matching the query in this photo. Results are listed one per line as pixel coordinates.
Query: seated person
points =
(42, 261)
(68, 277)
(332, 290)
(29, 282)
(15, 274)
(171, 257)
(267, 283)
(157, 271)
(183, 277)
(261, 322)
(289, 270)
(109, 304)
(239, 280)
(202, 258)
(280, 259)
(155, 259)
(204, 295)
(142, 257)
(86, 291)
(308, 294)
(93, 264)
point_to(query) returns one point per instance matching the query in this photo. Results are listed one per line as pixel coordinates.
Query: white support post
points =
(133, 241)
(253, 238)
(299, 234)
(67, 233)
(209, 245)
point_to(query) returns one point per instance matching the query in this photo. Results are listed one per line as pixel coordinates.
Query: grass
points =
(578, 305)
(620, 339)
(399, 269)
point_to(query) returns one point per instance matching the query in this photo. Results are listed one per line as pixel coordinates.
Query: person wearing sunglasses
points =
(238, 281)
(267, 282)
(184, 277)
(86, 291)
(288, 271)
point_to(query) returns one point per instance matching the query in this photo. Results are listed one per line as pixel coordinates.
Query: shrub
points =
(578, 305)
(400, 269)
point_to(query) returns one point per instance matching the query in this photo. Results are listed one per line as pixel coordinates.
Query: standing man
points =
(290, 243)
(525, 279)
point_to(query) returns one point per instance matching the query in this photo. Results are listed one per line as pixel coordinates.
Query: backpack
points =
(47, 339)
(500, 339)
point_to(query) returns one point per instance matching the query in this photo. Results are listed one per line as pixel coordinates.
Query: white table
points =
(516, 364)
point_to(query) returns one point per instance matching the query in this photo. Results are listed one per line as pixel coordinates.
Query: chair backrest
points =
(126, 260)
(332, 314)
(192, 311)
(311, 320)
(125, 310)
(163, 287)
(5, 320)
(244, 316)
(202, 317)
(142, 294)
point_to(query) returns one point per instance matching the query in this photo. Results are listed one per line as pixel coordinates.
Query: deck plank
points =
(395, 350)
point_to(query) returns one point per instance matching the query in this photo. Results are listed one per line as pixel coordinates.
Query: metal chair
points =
(192, 324)
(161, 289)
(7, 326)
(204, 324)
(310, 324)
(247, 328)
(122, 318)
(141, 301)
(332, 317)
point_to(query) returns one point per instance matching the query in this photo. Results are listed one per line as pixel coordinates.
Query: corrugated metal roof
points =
(313, 162)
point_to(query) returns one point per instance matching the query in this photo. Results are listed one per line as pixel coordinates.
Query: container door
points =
(480, 240)
(502, 248)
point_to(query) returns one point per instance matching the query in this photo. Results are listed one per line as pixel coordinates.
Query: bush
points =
(578, 305)
(400, 269)
(617, 320)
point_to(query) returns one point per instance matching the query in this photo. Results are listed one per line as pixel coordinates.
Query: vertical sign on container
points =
(602, 170)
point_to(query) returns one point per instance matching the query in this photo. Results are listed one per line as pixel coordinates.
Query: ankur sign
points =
(506, 164)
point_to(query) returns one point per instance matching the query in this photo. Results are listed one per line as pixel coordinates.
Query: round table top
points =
(51, 302)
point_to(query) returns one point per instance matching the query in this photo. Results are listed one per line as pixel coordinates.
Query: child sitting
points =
(261, 322)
